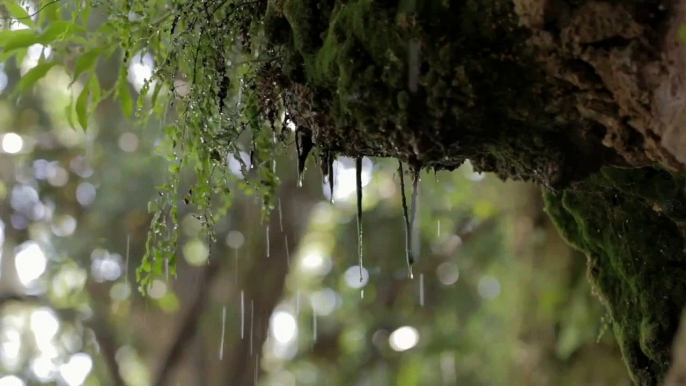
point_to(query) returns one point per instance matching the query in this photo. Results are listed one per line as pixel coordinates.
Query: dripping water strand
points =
(252, 322)
(331, 176)
(257, 367)
(288, 253)
(242, 314)
(267, 240)
(413, 218)
(358, 178)
(236, 264)
(408, 230)
(421, 289)
(314, 326)
(280, 216)
(126, 268)
(303, 146)
(221, 345)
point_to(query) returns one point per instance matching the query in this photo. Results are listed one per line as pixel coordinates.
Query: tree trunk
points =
(583, 97)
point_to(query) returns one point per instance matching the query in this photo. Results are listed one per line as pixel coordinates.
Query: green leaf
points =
(124, 94)
(33, 76)
(82, 106)
(50, 11)
(69, 113)
(86, 62)
(18, 39)
(96, 94)
(18, 12)
(156, 93)
(59, 30)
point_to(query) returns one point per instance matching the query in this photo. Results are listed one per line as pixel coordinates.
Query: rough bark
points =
(584, 97)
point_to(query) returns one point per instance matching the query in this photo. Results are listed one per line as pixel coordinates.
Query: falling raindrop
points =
(280, 216)
(236, 264)
(414, 221)
(438, 228)
(267, 240)
(288, 253)
(303, 146)
(257, 367)
(128, 250)
(297, 302)
(408, 230)
(314, 325)
(221, 345)
(331, 176)
(252, 322)
(166, 269)
(421, 289)
(361, 294)
(413, 68)
(358, 174)
(242, 314)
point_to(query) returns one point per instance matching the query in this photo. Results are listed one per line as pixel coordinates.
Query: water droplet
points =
(280, 216)
(288, 254)
(314, 326)
(242, 314)
(331, 176)
(252, 323)
(221, 345)
(358, 175)
(421, 289)
(408, 230)
(303, 146)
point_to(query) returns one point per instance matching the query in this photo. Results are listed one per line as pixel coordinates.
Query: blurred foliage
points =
(497, 298)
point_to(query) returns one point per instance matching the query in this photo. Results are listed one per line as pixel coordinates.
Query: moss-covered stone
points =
(430, 82)
(626, 222)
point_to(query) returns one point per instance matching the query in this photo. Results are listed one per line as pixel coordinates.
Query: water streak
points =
(280, 216)
(252, 322)
(128, 250)
(288, 253)
(221, 345)
(358, 175)
(303, 146)
(421, 289)
(314, 326)
(414, 218)
(408, 230)
(242, 314)
(267, 240)
(331, 176)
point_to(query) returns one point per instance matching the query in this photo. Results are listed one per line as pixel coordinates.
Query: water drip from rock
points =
(358, 182)
(331, 175)
(408, 230)
(303, 146)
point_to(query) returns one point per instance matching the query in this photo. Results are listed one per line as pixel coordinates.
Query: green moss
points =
(624, 220)
(431, 82)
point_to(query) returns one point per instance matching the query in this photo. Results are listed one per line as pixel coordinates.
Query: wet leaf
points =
(124, 94)
(33, 76)
(18, 12)
(87, 62)
(82, 106)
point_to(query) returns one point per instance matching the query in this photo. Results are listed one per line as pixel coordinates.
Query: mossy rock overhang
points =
(584, 97)
(540, 90)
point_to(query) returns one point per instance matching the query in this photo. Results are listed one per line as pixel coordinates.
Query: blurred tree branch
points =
(188, 326)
